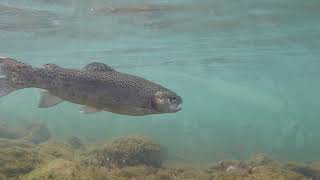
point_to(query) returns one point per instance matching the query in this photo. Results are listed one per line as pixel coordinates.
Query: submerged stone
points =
(56, 169)
(260, 159)
(260, 173)
(265, 172)
(308, 170)
(55, 150)
(60, 169)
(76, 143)
(129, 151)
(36, 133)
(17, 157)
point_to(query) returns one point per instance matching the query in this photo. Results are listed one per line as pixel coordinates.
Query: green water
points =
(247, 70)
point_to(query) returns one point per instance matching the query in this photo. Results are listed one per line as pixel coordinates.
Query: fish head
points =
(166, 102)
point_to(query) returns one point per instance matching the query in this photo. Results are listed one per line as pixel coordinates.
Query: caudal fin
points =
(5, 85)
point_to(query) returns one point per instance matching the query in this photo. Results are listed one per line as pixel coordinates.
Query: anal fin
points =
(88, 110)
(48, 100)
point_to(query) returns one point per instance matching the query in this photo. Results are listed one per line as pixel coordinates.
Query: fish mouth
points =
(176, 107)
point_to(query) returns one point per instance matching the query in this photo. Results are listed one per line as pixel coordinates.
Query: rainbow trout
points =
(97, 87)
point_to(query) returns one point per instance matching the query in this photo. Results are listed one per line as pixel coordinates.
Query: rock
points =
(17, 157)
(191, 174)
(260, 160)
(163, 174)
(308, 170)
(131, 172)
(56, 150)
(130, 151)
(231, 169)
(76, 143)
(225, 164)
(36, 133)
(264, 173)
(56, 169)
(261, 173)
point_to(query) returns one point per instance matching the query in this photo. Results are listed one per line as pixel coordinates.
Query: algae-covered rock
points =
(164, 174)
(130, 151)
(17, 157)
(234, 176)
(36, 133)
(191, 174)
(133, 172)
(258, 167)
(308, 170)
(315, 170)
(261, 173)
(225, 164)
(266, 173)
(58, 169)
(53, 150)
(260, 159)
(75, 143)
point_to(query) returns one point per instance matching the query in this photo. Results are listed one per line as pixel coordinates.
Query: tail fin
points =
(8, 75)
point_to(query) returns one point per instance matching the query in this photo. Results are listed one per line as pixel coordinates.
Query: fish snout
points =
(176, 107)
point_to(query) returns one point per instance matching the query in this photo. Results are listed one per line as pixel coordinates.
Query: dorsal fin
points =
(96, 66)
(51, 66)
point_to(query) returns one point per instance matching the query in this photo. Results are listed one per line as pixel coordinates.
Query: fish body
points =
(98, 87)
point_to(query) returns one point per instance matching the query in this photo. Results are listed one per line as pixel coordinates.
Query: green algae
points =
(311, 170)
(56, 150)
(56, 169)
(17, 157)
(130, 151)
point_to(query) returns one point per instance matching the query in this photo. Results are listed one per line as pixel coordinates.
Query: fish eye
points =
(173, 98)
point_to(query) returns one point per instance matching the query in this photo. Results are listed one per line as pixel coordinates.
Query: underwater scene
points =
(159, 90)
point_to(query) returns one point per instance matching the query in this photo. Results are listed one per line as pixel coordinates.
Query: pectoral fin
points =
(88, 110)
(48, 100)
